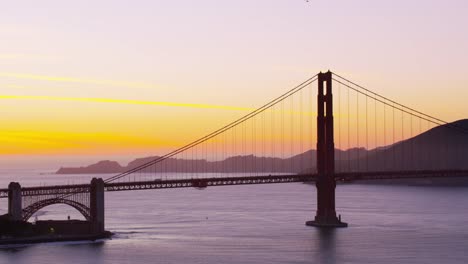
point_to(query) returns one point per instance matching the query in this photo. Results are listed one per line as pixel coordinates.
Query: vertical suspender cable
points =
(358, 157)
(403, 149)
(385, 139)
(291, 163)
(394, 145)
(301, 129)
(367, 138)
(375, 135)
(340, 144)
(349, 136)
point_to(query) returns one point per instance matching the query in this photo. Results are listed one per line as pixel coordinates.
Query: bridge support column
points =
(97, 205)
(15, 202)
(326, 214)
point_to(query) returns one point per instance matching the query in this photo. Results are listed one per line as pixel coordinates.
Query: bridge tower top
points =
(325, 140)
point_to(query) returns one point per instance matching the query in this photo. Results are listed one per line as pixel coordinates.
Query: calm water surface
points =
(260, 224)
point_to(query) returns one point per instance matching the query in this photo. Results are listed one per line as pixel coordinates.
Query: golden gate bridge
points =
(325, 130)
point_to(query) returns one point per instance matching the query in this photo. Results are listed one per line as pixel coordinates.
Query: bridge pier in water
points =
(326, 183)
(15, 208)
(97, 205)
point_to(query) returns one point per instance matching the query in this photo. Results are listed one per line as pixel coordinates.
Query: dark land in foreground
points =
(21, 232)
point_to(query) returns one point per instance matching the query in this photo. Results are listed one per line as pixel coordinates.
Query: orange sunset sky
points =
(82, 81)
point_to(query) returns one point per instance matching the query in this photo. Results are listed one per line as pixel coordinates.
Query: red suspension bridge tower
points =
(326, 184)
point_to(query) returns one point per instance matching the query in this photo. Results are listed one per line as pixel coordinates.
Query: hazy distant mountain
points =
(105, 166)
(298, 163)
(441, 147)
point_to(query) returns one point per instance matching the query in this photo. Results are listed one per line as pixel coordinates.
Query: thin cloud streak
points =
(123, 101)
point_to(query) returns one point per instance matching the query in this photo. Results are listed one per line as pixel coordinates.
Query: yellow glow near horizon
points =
(57, 128)
(96, 129)
(123, 101)
(50, 142)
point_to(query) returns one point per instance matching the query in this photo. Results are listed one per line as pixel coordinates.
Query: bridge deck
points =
(245, 180)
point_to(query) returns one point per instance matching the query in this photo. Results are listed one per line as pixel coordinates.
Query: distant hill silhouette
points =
(105, 166)
(442, 147)
(248, 163)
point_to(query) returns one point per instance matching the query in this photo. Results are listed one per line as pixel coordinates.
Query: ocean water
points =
(260, 224)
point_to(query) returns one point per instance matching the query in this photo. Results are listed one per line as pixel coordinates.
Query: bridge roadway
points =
(223, 181)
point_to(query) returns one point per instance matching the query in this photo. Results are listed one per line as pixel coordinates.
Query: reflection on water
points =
(327, 245)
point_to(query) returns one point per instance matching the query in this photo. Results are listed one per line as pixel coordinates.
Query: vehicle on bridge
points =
(199, 184)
